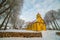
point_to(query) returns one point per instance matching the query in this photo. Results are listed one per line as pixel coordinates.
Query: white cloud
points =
(33, 1)
(22, 17)
(48, 1)
(41, 7)
(37, 5)
(25, 18)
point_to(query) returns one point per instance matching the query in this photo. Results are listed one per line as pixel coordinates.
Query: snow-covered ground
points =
(46, 35)
(13, 30)
(50, 35)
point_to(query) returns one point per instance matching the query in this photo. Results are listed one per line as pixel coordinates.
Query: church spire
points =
(38, 15)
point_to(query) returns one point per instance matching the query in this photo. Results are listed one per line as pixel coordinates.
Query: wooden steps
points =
(20, 34)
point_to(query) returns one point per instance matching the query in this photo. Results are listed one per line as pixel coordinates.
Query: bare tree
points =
(4, 19)
(7, 21)
(14, 6)
(51, 17)
(16, 13)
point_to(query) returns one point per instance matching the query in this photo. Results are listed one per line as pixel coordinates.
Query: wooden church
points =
(38, 25)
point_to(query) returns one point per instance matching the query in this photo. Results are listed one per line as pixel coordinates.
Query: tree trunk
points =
(5, 19)
(7, 22)
(4, 10)
(2, 3)
(52, 25)
(55, 25)
(14, 26)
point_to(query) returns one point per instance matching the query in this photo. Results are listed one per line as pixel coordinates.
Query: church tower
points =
(40, 23)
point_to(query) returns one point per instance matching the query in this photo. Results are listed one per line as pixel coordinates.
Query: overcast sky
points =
(32, 7)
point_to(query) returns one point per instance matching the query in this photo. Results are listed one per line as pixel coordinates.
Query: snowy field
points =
(46, 35)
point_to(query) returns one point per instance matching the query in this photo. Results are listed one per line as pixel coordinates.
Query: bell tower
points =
(41, 25)
(38, 18)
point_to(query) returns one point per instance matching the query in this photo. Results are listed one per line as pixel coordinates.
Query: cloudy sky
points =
(32, 7)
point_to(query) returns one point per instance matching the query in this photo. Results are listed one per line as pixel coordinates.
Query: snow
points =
(15, 38)
(46, 35)
(50, 35)
(13, 30)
